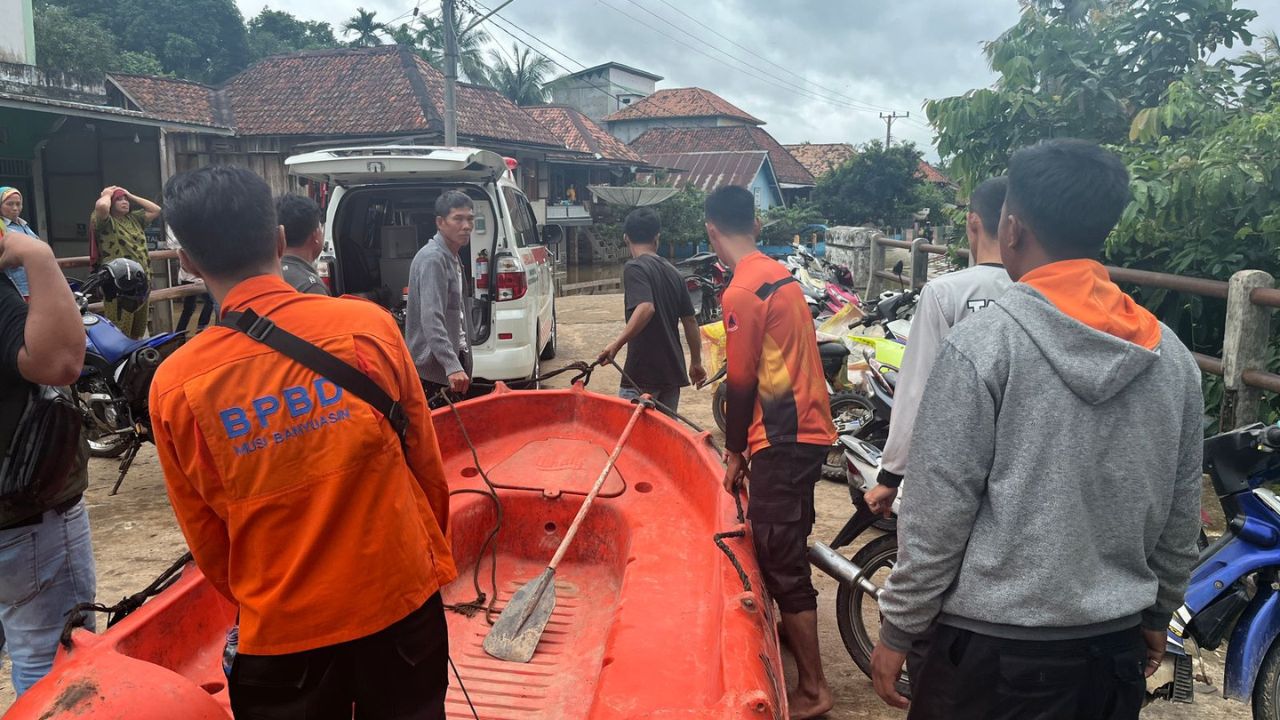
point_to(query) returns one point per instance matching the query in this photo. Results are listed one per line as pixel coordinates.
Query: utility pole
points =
(888, 123)
(450, 73)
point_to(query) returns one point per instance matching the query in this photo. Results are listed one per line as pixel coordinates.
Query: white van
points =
(382, 210)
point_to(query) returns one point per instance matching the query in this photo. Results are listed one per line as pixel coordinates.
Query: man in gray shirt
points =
(943, 302)
(304, 240)
(437, 325)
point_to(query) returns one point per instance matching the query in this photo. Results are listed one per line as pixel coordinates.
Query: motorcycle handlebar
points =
(1271, 437)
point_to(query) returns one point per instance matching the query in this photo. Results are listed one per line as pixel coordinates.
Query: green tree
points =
(683, 221)
(366, 28)
(72, 43)
(1197, 129)
(274, 32)
(879, 185)
(471, 46)
(525, 81)
(782, 223)
(203, 40)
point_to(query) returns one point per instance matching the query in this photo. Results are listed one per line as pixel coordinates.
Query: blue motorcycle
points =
(113, 388)
(1235, 586)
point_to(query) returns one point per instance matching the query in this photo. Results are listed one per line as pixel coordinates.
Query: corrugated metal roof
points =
(709, 171)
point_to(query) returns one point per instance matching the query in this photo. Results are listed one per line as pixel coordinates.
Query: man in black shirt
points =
(656, 303)
(46, 557)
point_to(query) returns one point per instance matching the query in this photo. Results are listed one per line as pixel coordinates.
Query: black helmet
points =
(124, 279)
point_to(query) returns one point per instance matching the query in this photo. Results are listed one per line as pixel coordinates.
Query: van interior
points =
(377, 232)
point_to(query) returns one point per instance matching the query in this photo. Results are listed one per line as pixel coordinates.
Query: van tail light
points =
(324, 270)
(512, 282)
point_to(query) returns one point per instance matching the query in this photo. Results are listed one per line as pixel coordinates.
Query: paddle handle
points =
(595, 489)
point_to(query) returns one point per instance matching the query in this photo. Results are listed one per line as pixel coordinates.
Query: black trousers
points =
(400, 673)
(781, 512)
(967, 676)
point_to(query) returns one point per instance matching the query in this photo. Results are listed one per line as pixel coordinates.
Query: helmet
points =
(124, 279)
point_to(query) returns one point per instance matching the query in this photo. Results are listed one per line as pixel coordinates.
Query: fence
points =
(1250, 296)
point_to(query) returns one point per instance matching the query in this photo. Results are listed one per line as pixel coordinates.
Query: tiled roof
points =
(931, 174)
(723, 139)
(172, 99)
(682, 103)
(821, 158)
(709, 171)
(581, 133)
(357, 92)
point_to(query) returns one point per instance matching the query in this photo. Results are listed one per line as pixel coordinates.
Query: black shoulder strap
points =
(333, 368)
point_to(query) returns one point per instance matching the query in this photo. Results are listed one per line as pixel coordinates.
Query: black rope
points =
(465, 694)
(127, 605)
(469, 609)
(724, 548)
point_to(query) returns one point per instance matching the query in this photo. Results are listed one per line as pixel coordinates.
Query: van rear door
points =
(396, 163)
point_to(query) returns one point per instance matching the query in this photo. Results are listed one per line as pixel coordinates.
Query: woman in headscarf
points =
(10, 222)
(119, 223)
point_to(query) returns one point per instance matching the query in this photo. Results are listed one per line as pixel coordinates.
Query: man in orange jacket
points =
(297, 498)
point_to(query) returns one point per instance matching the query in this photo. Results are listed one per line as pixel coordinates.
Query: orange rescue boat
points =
(661, 612)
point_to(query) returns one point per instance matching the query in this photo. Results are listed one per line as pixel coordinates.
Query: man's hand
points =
(17, 249)
(735, 471)
(607, 355)
(880, 499)
(886, 668)
(697, 374)
(459, 383)
(1156, 640)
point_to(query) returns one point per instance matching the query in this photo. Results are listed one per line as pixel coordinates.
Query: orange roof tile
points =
(682, 103)
(821, 158)
(581, 133)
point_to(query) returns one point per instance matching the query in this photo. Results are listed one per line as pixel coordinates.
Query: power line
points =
(788, 82)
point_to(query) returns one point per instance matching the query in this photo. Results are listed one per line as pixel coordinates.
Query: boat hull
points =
(652, 620)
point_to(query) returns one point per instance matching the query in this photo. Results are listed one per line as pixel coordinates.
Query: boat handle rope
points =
(115, 613)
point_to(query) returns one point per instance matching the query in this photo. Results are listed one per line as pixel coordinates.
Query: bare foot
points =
(805, 706)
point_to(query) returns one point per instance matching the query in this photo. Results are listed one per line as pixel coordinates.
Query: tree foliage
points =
(1197, 128)
(365, 27)
(274, 32)
(523, 82)
(683, 220)
(166, 33)
(429, 42)
(782, 223)
(878, 185)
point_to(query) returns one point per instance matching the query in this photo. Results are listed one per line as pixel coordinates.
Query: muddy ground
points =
(135, 536)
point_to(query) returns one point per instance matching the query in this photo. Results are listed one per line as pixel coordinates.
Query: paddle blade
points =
(515, 635)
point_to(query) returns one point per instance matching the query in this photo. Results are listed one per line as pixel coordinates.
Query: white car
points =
(382, 210)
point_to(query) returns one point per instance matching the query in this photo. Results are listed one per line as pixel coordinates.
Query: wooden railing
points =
(156, 296)
(1250, 294)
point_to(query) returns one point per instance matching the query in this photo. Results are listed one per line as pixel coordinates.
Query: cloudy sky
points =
(816, 70)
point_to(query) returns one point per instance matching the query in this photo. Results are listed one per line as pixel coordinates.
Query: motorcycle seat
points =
(832, 349)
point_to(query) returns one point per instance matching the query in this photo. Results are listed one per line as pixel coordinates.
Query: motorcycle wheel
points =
(720, 406)
(858, 614)
(1266, 690)
(846, 407)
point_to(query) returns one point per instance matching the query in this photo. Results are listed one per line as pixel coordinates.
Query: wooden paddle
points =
(516, 634)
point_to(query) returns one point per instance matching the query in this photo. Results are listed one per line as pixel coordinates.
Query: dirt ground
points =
(135, 536)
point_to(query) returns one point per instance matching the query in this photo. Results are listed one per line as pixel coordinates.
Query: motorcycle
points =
(1235, 586)
(705, 278)
(113, 388)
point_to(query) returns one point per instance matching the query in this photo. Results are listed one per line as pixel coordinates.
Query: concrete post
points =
(919, 264)
(1244, 347)
(874, 284)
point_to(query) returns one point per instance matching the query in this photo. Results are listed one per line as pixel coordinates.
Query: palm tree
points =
(471, 46)
(367, 30)
(524, 83)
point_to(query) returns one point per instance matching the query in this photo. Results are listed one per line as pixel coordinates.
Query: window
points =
(522, 218)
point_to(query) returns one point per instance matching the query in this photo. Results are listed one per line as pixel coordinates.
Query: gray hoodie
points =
(1055, 481)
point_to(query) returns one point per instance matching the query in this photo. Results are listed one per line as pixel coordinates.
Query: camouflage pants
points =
(132, 322)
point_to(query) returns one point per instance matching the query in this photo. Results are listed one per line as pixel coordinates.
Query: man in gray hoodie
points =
(1055, 474)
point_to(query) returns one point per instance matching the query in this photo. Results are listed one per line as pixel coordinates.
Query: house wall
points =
(603, 92)
(18, 41)
(765, 192)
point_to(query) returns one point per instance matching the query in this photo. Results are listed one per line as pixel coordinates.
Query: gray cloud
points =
(891, 55)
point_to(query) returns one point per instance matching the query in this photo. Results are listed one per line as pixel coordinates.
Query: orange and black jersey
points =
(776, 390)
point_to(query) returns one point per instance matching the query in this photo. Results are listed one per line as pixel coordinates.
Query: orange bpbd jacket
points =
(294, 495)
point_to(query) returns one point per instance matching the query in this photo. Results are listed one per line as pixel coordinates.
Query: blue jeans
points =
(45, 570)
(670, 398)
